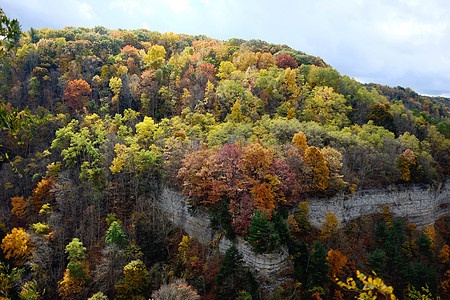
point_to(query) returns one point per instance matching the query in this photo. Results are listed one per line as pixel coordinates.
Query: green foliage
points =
(115, 235)
(318, 265)
(377, 261)
(231, 261)
(75, 250)
(9, 31)
(98, 296)
(233, 277)
(262, 236)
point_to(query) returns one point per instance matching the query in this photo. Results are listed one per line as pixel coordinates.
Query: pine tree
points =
(262, 235)
(115, 235)
(318, 266)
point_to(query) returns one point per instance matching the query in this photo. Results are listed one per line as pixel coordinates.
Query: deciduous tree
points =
(77, 94)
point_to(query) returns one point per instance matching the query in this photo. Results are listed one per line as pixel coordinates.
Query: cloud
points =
(179, 6)
(86, 11)
(128, 6)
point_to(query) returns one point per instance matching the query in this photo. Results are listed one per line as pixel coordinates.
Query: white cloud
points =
(86, 11)
(179, 6)
(125, 5)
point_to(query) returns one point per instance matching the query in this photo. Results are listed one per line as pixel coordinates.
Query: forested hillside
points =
(93, 122)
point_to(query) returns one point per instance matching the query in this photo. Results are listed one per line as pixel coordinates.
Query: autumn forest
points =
(94, 123)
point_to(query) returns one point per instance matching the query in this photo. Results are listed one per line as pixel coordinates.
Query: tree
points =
(135, 280)
(75, 250)
(380, 114)
(18, 246)
(115, 235)
(299, 140)
(337, 261)
(155, 57)
(318, 170)
(9, 31)
(329, 226)
(179, 290)
(233, 277)
(262, 235)
(20, 207)
(285, 61)
(76, 94)
(410, 169)
(318, 267)
(444, 254)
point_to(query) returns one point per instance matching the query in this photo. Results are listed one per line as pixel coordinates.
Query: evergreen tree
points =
(115, 235)
(376, 261)
(233, 277)
(262, 234)
(318, 265)
(230, 263)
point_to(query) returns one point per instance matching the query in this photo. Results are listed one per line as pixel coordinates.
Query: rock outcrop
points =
(420, 205)
(266, 267)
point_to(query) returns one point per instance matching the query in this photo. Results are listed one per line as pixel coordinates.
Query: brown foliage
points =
(42, 194)
(76, 94)
(20, 207)
(285, 61)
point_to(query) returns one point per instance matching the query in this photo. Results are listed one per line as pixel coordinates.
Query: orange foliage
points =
(444, 254)
(76, 94)
(265, 200)
(445, 283)
(256, 160)
(70, 287)
(20, 206)
(130, 51)
(42, 193)
(17, 245)
(337, 262)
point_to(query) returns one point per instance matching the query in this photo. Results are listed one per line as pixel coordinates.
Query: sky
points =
(391, 42)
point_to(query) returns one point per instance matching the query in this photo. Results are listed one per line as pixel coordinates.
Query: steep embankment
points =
(420, 205)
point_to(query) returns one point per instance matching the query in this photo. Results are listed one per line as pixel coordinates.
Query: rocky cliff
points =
(420, 205)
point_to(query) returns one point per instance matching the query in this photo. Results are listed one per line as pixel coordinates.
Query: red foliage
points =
(204, 73)
(76, 94)
(130, 51)
(247, 178)
(285, 61)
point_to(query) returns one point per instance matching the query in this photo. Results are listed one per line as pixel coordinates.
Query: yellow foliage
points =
(387, 216)
(299, 140)
(119, 160)
(70, 287)
(17, 245)
(430, 232)
(444, 254)
(372, 287)
(329, 226)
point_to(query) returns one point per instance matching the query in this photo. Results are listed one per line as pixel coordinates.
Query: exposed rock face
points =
(419, 205)
(266, 267)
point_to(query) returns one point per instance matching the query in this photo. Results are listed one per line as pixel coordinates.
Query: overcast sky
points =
(391, 42)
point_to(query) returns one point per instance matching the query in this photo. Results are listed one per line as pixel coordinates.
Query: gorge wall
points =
(420, 205)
